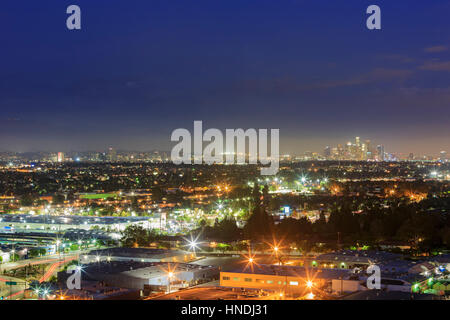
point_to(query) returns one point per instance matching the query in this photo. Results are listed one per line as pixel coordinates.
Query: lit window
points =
(269, 282)
(236, 279)
(293, 283)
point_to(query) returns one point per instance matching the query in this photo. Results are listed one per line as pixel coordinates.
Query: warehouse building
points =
(137, 254)
(288, 279)
(349, 259)
(150, 276)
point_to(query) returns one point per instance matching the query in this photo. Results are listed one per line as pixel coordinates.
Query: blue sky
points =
(138, 70)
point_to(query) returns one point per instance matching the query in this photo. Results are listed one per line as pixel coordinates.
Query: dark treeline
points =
(372, 221)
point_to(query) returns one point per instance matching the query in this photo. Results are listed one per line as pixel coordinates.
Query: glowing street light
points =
(309, 284)
(277, 252)
(170, 275)
(193, 245)
(250, 260)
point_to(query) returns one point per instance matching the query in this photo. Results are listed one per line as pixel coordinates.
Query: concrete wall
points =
(342, 286)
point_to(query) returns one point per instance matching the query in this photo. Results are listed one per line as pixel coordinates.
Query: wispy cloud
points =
(398, 58)
(432, 98)
(376, 75)
(436, 49)
(436, 66)
(289, 84)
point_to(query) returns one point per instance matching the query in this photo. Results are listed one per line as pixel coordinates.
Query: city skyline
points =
(369, 151)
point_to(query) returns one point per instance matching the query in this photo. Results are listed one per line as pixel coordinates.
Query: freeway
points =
(14, 291)
(39, 260)
(44, 259)
(54, 268)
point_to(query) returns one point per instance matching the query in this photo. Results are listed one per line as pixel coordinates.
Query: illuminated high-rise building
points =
(380, 152)
(112, 154)
(340, 150)
(443, 156)
(335, 153)
(60, 157)
(369, 151)
(327, 152)
(364, 151)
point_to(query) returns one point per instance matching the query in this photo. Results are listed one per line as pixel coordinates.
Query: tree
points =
(135, 236)
(223, 247)
(26, 200)
(58, 198)
(259, 225)
(157, 194)
(228, 230)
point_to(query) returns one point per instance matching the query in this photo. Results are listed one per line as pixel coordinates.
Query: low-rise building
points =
(150, 276)
(137, 254)
(286, 279)
(349, 259)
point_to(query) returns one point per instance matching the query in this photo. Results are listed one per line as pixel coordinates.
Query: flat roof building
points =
(137, 254)
(286, 279)
(349, 259)
(146, 275)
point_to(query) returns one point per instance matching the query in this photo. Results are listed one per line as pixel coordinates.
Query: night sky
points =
(140, 69)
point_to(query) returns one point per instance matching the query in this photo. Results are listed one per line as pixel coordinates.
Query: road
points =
(43, 260)
(40, 260)
(214, 293)
(15, 291)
